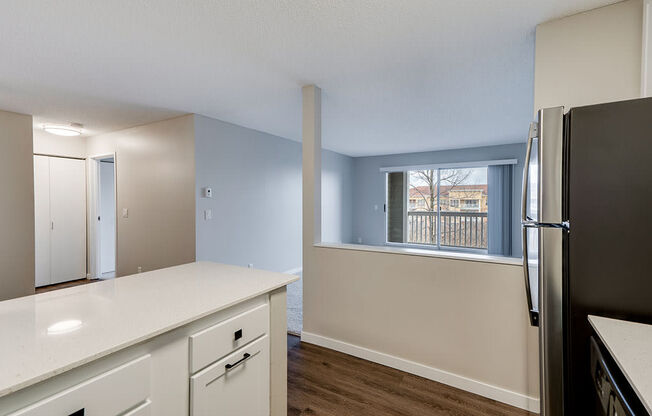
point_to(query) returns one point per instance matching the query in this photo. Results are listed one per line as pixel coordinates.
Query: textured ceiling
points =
(397, 75)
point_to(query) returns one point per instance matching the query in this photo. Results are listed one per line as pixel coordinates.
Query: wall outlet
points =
(250, 265)
(125, 212)
(359, 240)
(140, 269)
(208, 214)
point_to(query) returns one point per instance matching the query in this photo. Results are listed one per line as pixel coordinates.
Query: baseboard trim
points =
(473, 386)
(296, 270)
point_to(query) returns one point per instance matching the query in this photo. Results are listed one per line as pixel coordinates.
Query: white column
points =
(311, 195)
(311, 168)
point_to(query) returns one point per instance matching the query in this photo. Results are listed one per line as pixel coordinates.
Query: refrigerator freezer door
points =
(551, 166)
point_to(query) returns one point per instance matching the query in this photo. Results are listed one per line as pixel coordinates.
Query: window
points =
(449, 208)
(471, 205)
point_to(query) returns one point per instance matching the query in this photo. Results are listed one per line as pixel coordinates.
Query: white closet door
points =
(42, 219)
(68, 213)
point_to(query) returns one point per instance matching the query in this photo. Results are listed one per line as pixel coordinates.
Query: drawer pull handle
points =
(244, 358)
(237, 334)
(79, 412)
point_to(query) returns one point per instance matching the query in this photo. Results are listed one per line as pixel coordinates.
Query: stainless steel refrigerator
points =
(587, 236)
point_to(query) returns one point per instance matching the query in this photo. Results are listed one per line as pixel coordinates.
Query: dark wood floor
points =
(324, 382)
(63, 285)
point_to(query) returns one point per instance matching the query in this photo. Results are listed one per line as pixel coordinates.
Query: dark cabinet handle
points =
(244, 358)
(79, 412)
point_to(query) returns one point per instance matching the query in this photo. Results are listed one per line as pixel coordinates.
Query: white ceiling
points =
(397, 75)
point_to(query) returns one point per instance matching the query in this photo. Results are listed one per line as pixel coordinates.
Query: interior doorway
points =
(103, 227)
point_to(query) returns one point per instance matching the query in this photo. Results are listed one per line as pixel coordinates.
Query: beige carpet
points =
(295, 306)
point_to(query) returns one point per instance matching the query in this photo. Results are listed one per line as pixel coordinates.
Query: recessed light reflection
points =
(63, 327)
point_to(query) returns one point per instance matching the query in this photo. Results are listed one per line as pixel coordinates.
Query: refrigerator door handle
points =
(534, 315)
(532, 134)
(528, 222)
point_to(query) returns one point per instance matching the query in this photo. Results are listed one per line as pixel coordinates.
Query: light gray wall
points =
(16, 206)
(369, 185)
(336, 197)
(256, 204)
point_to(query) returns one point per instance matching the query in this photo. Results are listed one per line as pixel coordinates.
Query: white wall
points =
(51, 144)
(452, 319)
(155, 166)
(590, 57)
(16, 206)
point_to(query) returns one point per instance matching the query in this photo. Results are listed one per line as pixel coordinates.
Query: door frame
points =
(94, 201)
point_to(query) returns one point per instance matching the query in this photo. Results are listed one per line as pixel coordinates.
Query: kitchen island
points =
(195, 339)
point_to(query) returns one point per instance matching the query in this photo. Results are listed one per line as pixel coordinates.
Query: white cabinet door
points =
(42, 219)
(68, 213)
(236, 385)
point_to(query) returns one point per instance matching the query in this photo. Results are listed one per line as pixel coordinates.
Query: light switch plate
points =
(125, 212)
(208, 214)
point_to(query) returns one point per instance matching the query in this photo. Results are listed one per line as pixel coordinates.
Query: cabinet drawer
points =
(238, 384)
(108, 394)
(215, 342)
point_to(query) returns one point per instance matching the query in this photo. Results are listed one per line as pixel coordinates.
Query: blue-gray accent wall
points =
(336, 197)
(369, 186)
(256, 203)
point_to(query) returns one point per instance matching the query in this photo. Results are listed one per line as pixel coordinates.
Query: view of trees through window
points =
(448, 207)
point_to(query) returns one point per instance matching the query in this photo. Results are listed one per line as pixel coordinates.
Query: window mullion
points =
(437, 228)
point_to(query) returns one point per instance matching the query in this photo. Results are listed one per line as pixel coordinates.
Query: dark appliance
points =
(613, 395)
(587, 237)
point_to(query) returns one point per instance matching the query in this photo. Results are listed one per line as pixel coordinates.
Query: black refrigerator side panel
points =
(565, 244)
(609, 247)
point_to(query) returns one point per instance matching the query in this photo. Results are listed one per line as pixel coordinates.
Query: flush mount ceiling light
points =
(72, 129)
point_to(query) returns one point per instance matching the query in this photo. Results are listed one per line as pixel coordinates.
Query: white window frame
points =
(406, 196)
(459, 165)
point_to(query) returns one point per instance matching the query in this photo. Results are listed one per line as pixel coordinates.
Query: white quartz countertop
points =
(115, 314)
(630, 345)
